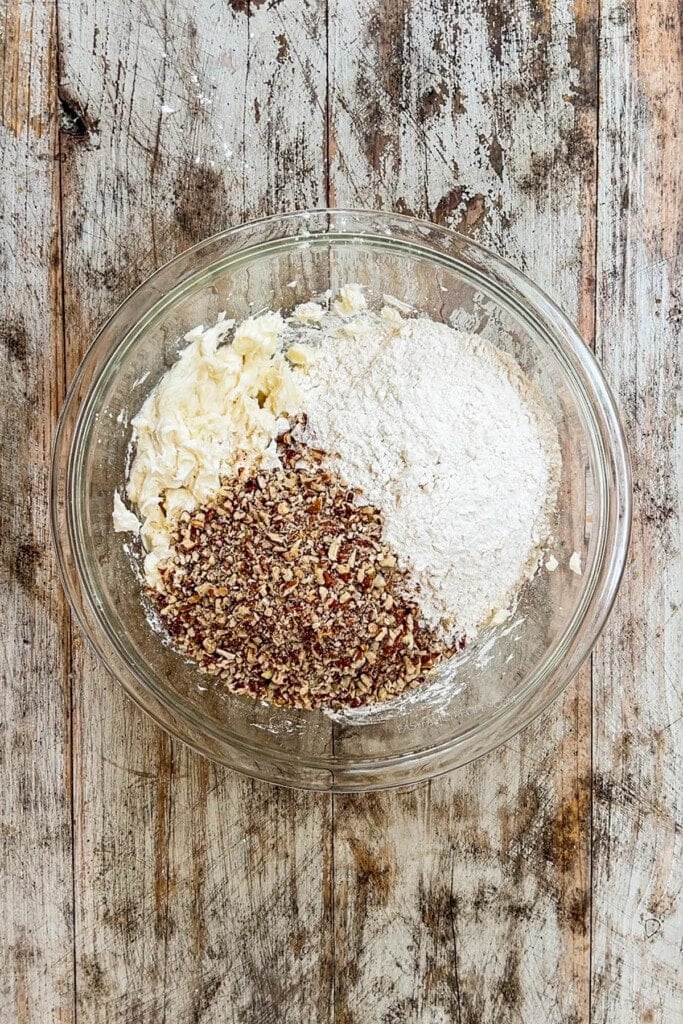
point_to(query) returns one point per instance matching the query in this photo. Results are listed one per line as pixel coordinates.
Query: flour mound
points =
(442, 432)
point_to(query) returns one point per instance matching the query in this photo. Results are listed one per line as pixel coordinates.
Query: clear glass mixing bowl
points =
(512, 671)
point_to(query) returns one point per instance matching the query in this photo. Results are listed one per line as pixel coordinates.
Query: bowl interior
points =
(505, 675)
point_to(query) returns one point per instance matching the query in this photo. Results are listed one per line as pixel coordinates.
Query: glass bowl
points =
(512, 671)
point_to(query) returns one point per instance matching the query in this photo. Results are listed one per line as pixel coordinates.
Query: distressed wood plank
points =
(638, 678)
(197, 891)
(200, 895)
(36, 907)
(469, 900)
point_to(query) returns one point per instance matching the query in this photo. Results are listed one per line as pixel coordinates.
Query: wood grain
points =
(469, 900)
(200, 896)
(638, 677)
(36, 905)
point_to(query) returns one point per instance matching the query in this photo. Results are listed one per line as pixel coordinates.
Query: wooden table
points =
(542, 884)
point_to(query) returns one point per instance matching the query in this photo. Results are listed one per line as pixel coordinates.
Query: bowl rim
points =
(329, 773)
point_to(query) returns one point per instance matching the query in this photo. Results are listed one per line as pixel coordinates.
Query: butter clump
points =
(350, 300)
(219, 408)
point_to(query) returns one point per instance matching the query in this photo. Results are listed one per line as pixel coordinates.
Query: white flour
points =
(442, 432)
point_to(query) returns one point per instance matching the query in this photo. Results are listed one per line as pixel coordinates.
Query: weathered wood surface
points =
(539, 884)
(36, 898)
(637, 843)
